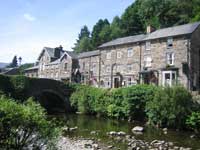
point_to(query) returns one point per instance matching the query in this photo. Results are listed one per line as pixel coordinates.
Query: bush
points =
(169, 107)
(193, 122)
(118, 103)
(25, 125)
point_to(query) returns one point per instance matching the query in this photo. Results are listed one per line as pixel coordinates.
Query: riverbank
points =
(66, 143)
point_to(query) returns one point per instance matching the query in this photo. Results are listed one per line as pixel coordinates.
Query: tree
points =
(131, 20)
(83, 43)
(98, 27)
(13, 63)
(25, 126)
(116, 31)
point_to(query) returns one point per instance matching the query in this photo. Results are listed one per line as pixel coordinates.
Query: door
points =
(169, 78)
(116, 82)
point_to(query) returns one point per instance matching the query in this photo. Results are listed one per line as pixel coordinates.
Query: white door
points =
(168, 78)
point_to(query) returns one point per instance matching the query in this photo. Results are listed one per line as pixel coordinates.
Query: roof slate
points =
(124, 40)
(88, 54)
(173, 31)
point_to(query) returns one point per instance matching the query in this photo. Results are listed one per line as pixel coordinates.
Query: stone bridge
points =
(53, 95)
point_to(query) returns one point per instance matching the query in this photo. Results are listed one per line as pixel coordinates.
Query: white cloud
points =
(29, 17)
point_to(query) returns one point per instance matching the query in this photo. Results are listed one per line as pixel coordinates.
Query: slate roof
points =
(88, 54)
(32, 68)
(51, 53)
(173, 31)
(161, 33)
(124, 40)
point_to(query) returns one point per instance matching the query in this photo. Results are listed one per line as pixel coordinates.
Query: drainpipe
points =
(99, 68)
(112, 66)
(189, 65)
(140, 62)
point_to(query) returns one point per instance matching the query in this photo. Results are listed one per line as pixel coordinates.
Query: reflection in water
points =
(86, 124)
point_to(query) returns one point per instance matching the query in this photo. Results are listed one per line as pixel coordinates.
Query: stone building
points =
(54, 63)
(89, 67)
(172, 55)
(120, 62)
(162, 57)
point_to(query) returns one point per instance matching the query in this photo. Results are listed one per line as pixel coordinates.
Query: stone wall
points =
(89, 69)
(158, 54)
(195, 59)
(120, 64)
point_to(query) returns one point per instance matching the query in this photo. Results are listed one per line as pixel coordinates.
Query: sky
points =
(26, 26)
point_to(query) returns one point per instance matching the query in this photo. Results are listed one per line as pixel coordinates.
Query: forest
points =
(157, 13)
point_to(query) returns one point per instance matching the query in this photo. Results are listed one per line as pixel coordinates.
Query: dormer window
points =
(169, 42)
(148, 45)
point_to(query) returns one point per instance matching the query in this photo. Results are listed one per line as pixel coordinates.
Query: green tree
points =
(131, 21)
(23, 126)
(83, 43)
(98, 27)
(13, 63)
(116, 31)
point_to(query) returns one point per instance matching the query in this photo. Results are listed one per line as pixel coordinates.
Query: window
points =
(108, 55)
(169, 42)
(148, 45)
(130, 52)
(107, 68)
(129, 81)
(65, 66)
(170, 58)
(169, 78)
(147, 61)
(83, 65)
(130, 67)
(119, 54)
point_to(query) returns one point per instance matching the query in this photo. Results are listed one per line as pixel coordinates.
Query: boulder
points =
(137, 129)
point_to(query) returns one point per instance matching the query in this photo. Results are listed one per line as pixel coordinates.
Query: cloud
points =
(29, 17)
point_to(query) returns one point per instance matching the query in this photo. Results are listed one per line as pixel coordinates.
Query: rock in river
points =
(137, 129)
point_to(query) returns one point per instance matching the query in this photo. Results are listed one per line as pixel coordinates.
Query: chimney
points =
(61, 48)
(150, 29)
(58, 51)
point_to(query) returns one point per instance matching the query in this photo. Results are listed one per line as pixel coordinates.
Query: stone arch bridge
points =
(52, 95)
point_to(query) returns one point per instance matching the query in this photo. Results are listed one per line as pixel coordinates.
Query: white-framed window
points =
(169, 42)
(129, 67)
(107, 82)
(170, 58)
(119, 54)
(108, 55)
(169, 78)
(65, 66)
(108, 69)
(148, 45)
(147, 61)
(129, 52)
(94, 67)
(83, 65)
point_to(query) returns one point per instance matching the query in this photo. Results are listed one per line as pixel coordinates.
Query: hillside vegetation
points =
(158, 13)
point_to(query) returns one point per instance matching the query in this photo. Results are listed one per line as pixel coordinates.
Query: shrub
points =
(25, 125)
(169, 107)
(118, 103)
(193, 122)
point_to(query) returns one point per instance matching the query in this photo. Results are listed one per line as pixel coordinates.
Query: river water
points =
(86, 124)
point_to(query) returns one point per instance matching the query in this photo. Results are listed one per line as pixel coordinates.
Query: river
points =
(87, 124)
